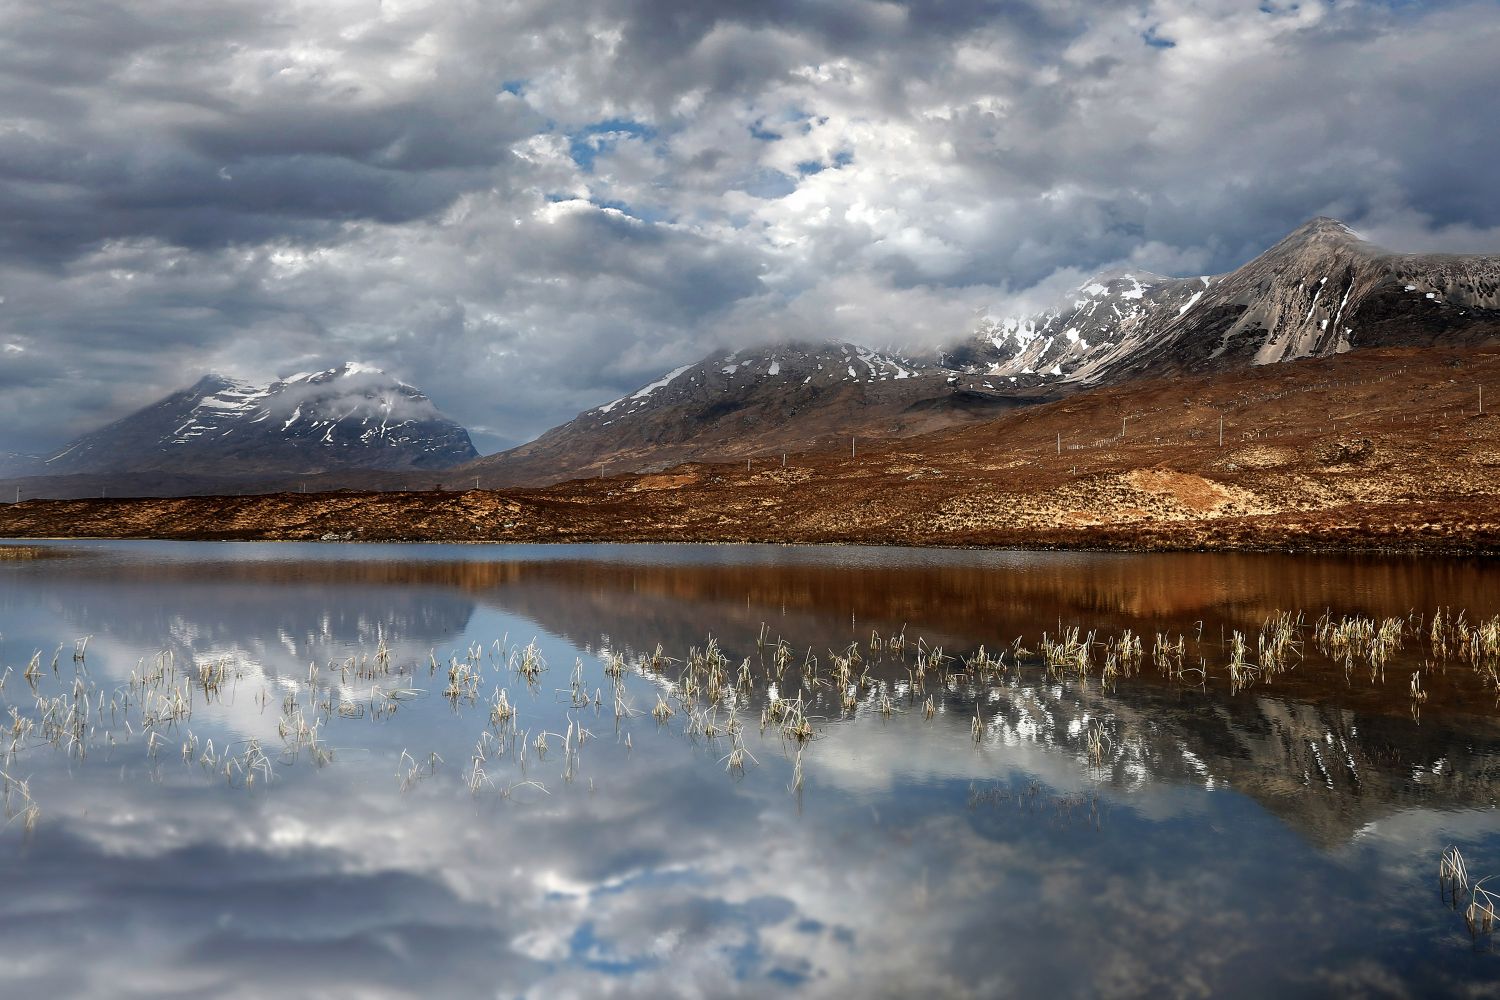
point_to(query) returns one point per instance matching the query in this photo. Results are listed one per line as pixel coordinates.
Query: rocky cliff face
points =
(1107, 312)
(1320, 291)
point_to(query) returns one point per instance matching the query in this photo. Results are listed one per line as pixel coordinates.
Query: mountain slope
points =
(1108, 310)
(1320, 291)
(16, 464)
(351, 417)
(763, 401)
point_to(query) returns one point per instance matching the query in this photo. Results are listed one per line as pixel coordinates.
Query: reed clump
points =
(23, 553)
(714, 686)
(1476, 902)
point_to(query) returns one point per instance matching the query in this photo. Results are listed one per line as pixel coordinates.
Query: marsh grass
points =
(799, 695)
(1098, 744)
(1476, 902)
(25, 553)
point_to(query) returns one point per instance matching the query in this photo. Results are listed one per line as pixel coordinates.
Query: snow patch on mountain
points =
(741, 370)
(354, 415)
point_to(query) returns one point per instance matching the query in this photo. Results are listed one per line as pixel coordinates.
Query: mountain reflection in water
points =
(1282, 837)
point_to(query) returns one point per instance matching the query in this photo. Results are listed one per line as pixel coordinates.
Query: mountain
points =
(1322, 290)
(345, 418)
(756, 402)
(1108, 310)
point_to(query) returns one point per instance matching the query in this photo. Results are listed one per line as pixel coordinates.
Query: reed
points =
(1476, 902)
(502, 712)
(1453, 873)
(734, 761)
(1241, 672)
(71, 712)
(1479, 915)
(1167, 655)
(1097, 743)
(530, 663)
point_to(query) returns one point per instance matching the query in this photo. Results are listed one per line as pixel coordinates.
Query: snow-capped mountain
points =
(817, 368)
(350, 417)
(1106, 311)
(1322, 290)
(751, 402)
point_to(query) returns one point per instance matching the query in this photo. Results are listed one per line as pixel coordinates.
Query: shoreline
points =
(1377, 452)
(1265, 534)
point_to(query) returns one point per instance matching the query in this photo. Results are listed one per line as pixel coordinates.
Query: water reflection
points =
(1300, 821)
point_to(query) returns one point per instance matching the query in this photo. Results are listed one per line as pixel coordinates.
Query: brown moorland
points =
(1372, 450)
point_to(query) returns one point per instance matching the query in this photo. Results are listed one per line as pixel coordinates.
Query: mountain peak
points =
(312, 421)
(213, 381)
(348, 369)
(1324, 227)
(356, 368)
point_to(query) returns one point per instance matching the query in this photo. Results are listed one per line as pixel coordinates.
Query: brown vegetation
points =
(16, 553)
(1371, 450)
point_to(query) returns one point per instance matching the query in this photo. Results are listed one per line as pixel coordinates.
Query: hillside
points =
(1380, 449)
(757, 402)
(1319, 292)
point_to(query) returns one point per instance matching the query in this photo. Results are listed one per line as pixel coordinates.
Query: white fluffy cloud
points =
(527, 208)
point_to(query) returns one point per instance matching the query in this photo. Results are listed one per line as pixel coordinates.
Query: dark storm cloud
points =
(531, 208)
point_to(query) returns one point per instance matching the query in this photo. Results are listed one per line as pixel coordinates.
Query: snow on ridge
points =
(855, 362)
(236, 403)
(661, 383)
(218, 402)
(646, 390)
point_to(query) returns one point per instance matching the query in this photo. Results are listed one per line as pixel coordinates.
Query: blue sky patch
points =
(1151, 38)
(758, 131)
(588, 142)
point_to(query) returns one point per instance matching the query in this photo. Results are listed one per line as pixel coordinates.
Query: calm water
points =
(253, 784)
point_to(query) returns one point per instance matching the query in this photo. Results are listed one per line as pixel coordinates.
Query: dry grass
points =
(20, 553)
(1370, 450)
(703, 695)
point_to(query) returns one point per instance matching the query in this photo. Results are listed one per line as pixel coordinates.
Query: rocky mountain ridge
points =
(755, 402)
(1320, 291)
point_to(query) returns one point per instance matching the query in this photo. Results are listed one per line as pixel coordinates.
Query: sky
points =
(530, 207)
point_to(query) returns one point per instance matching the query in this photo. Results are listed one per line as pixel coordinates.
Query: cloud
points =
(527, 209)
(657, 873)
